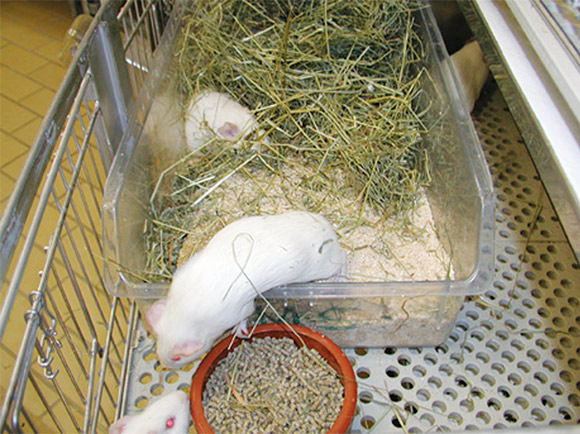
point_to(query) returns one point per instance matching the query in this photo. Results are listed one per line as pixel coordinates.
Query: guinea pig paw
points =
(241, 330)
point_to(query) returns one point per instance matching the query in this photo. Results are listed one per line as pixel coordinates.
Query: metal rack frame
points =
(67, 350)
(537, 71)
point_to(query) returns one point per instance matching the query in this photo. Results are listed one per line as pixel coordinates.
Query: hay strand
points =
(333, 86)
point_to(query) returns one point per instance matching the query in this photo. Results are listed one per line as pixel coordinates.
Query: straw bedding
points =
(333, 86)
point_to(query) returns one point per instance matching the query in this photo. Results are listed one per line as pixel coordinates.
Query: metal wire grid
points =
(143, 23)
(63, 336)
(64, 341)
(513, 358)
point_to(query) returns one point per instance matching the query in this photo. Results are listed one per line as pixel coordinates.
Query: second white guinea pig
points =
(212, 114)
(169, 414)
(472, 69)
(214, 290)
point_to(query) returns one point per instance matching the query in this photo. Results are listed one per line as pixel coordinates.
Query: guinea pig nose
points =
(176, 359)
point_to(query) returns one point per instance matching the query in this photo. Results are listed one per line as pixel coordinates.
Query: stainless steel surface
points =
(513, 358)
(564, 15)
(111, 79)
(538, 77)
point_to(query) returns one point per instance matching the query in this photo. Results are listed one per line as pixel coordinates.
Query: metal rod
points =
(13, 399)
(137, 26)
(103, 369)
(127, 361)
(89, 396)
(111, 78)
(15, 390)
(68, 273)
(20, 202)
(61, 322)
(31, 236)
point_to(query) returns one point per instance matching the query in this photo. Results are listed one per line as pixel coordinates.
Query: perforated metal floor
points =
(513, 358)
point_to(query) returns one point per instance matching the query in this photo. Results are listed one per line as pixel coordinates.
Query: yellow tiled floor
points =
(31, 34)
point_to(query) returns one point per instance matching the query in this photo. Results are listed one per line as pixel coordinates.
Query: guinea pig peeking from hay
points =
(214, 290)
(215, 114)
(168, 414)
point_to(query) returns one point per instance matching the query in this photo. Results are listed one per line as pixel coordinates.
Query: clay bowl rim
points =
(220, 350)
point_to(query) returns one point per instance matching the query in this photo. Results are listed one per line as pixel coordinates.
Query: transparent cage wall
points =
(460, 194)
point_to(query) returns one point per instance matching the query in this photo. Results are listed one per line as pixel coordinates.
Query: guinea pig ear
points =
(155, 313)
(229, 130)
(119, 426)
(186, 348)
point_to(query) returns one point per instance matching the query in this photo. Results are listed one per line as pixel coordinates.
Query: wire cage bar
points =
(63, 356)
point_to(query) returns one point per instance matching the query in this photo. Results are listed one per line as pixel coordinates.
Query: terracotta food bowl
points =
(313, 340)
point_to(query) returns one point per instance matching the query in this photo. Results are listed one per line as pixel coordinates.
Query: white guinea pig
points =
(472, 69)
(213, 114)
(214, 290)
(169, 414)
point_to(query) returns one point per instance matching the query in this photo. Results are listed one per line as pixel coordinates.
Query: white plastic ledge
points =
(509, 24)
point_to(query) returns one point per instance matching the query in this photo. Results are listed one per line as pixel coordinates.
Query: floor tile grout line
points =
(35, 51)
(13, 137)
(35, 81)
(4, 164)
(41, 59)
(31, 27)
(6, 175)
(48, 15)
(12, 100)
(47, 12)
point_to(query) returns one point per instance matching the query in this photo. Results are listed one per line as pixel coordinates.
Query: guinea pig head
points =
(178, 341)
(167, 415)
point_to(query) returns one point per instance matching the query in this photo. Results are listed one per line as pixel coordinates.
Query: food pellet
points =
(271, 385)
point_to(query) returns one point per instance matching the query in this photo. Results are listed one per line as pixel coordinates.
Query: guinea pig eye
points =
(176, 358)
(170, 422)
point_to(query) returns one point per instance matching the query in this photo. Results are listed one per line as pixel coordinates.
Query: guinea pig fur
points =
(215, 289)
(472, 69)
(169, 414)
(213, 114)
